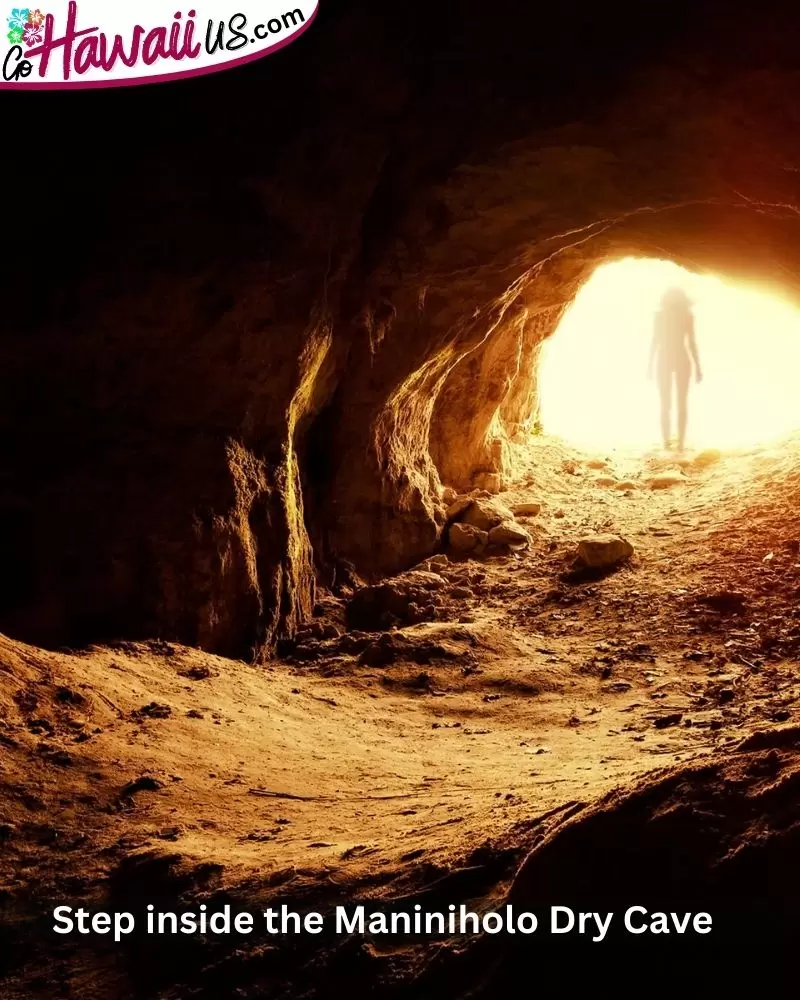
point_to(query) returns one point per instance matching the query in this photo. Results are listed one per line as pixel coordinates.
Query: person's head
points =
(675, 298)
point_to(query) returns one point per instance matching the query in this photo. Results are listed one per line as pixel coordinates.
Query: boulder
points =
(485, 514)
(603, 551)
(467, 538)
(510, 534)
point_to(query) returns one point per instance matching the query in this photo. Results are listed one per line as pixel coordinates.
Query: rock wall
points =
(265, 314)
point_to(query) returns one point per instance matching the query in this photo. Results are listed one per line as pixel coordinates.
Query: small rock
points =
(666, 480)
(317, 630)
(419, 578)
(526, 509)
(40, 726)
(194, 713)
(197, 673)
(603, 551)
(492, 482)
(143, 784)
(155, 710)
(448, 495)
(510, 534)
(458, 506)
(354, 642)
(597, 463)
(558, 513)
(466, 537)
(461, 593)
(380, 653)
(170, 833)
(626, 484)
(438, 563)
(668, 720)
(605, 481)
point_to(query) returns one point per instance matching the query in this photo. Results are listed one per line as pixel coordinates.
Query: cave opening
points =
(593, 384)
(342, 561)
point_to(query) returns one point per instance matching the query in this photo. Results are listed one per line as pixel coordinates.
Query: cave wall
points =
(253, 339)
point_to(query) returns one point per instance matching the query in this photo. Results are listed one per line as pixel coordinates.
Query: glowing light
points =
(594, 389)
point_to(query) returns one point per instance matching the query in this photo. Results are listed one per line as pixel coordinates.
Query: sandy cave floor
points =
(532, 696)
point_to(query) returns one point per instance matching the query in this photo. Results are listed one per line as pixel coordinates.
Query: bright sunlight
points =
(593, 377)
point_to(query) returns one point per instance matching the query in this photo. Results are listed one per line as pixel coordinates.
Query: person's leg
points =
(665, 392)
(682, 377)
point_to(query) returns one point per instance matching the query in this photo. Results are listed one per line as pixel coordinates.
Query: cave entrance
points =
(593, 386)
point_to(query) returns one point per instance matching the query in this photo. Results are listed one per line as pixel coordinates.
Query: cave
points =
(317, 585)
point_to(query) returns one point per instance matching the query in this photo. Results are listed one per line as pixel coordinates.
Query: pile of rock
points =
(407, 599)
(480, 524)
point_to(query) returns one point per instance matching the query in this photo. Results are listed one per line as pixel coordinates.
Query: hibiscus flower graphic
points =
(33, 34)
(15, 36)
(20, 16)
(36, 18)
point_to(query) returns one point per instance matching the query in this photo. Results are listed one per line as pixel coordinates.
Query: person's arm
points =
(653, 349)
(698, 374)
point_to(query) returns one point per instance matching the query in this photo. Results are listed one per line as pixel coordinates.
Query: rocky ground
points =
(607, 623)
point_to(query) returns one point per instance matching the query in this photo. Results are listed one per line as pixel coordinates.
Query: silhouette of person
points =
(672, 353)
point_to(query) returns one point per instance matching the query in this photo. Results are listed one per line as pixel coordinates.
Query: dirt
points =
(422, 760)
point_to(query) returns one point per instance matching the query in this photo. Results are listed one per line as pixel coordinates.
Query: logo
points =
(93, 43)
